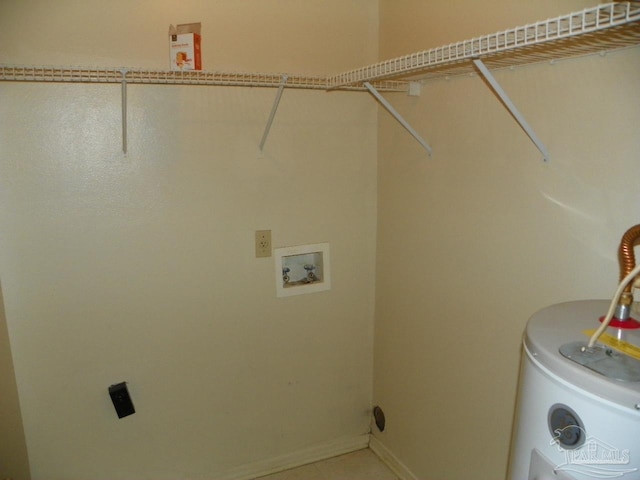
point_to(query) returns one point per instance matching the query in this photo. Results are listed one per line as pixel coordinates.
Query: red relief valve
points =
(628, 324)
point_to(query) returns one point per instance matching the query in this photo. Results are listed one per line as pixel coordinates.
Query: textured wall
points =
(475, 239)
(141, 268)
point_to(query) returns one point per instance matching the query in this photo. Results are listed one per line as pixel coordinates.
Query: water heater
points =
(578, 407)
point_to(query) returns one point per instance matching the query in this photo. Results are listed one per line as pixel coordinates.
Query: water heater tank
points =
(578, 412)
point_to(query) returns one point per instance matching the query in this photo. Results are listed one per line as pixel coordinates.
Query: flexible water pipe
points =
(627, 263)
(627, 256)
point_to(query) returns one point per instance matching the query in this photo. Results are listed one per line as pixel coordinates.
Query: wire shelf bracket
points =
(124, 110)
(506, 101)
(397, 116)
(272, 115)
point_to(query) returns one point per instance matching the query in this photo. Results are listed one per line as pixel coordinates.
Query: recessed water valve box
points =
(302, 269)
(121, 399)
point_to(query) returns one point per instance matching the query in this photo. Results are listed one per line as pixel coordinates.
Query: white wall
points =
(474, 240)
(141, 268)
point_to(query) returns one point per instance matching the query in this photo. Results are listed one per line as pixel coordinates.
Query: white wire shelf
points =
(593, 30)
(21, 73)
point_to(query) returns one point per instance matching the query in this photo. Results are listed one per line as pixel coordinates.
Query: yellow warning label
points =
(620, 345)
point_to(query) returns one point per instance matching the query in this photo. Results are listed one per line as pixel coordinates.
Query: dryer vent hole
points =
(378, 416)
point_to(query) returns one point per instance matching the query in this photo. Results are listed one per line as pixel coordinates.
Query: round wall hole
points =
(378, 416)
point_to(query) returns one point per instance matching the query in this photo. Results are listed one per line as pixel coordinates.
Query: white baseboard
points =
(297, 459)
(399, 468)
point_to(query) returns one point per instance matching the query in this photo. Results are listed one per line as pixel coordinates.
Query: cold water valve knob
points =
(311, 277)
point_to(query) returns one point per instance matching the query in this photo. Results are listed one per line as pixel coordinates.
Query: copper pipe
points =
(625, 252)
(627, 264)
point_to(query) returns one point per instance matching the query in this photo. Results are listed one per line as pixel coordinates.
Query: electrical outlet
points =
(263, 243)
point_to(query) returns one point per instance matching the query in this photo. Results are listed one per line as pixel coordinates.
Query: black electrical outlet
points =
(121, 399)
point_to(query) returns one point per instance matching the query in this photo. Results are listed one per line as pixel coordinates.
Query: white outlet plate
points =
(263, 243)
